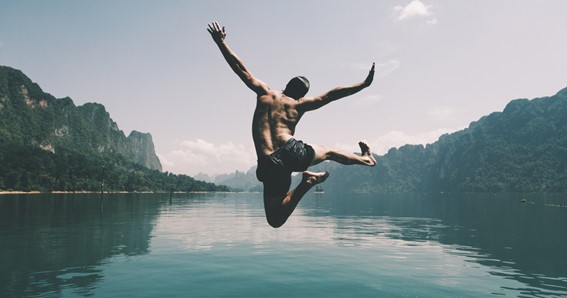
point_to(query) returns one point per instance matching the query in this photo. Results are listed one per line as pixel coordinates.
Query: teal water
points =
(219, 245)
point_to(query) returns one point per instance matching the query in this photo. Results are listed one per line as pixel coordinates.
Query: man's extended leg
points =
(365, 158)
(279, 203)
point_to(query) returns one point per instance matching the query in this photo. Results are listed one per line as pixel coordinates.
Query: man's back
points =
(274, 121)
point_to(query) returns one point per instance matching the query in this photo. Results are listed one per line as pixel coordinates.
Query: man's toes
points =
(364, 149)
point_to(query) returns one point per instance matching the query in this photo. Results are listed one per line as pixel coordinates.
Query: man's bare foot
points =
(366, 154)
(314, 178)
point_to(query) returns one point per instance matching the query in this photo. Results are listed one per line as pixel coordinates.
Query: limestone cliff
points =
(521, 149)
(29, 116)
(142, 146)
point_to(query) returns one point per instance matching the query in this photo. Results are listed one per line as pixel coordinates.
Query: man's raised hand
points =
(370, 76)
(217, 33)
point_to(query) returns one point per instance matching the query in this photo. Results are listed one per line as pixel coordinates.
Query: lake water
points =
(219, 245)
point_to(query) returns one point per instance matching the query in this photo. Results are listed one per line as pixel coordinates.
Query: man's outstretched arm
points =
(312, 103)
(218, 35)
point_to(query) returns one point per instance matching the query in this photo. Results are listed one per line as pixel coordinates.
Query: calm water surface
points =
(219, 245)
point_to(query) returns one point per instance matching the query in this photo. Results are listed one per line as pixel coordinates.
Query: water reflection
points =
(51, 245)
(521, 241)
(226, 221)
(52, 242)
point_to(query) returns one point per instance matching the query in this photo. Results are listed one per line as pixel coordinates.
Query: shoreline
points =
(20, 192)
(35, 192)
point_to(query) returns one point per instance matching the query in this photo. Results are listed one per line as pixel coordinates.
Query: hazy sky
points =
(440, 65)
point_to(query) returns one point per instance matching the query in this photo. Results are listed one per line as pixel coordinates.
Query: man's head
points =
(297, 87)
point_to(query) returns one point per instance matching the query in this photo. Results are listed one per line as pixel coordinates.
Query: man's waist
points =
(284, 146)
(267, 145)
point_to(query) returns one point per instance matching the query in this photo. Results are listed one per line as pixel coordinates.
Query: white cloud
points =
(414, 9)
(194, 156)
(395, 139)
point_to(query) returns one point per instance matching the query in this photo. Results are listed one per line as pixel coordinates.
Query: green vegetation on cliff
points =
(522, 149)
(50, 144)
(28, 168)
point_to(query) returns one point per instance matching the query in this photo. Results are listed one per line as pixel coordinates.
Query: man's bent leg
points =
(323, 153)
(279, 204)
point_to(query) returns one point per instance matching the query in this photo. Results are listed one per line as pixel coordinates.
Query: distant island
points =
(521, 149)
(49, 144)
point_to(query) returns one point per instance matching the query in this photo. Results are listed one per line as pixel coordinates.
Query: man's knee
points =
(275, 215)
(275, 221)
(274, 194)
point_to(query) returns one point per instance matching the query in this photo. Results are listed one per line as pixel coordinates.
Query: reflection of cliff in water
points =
(527, 239)
(52, 242)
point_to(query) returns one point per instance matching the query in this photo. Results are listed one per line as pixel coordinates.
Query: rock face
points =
(521, 149)
(29, 116)
(142, 146)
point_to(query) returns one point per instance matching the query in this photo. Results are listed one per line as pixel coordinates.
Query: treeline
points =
(49, 144)
(32, 117)
(28, 168)
(521, 149)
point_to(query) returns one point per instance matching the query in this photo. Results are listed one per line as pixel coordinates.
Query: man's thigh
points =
(277, 187)
(321, 154)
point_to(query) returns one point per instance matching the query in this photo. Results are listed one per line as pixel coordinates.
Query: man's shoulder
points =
(270, 95)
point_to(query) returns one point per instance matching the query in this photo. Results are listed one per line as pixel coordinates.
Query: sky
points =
(440, 65)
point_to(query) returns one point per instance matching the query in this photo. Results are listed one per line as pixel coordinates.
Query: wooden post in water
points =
(170, 187)
(102, 184)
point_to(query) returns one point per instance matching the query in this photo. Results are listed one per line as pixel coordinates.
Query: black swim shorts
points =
(294, 156)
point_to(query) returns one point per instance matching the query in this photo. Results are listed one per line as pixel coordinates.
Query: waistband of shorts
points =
(290, 143)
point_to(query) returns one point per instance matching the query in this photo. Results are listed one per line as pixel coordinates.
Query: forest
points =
(49, 144)
(26, 168)
(521, 149)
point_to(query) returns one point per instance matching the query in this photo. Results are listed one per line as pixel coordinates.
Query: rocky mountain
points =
(521, 149)
(48, 144)
(30, 116)
(237, 181)
(242, 181)
(144, 152)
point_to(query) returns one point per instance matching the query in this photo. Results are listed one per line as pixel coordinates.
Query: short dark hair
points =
(297, 87)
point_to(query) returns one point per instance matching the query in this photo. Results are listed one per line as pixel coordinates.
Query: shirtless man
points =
(273, 126)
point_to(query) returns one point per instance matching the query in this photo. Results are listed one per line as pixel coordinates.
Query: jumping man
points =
(273, 126)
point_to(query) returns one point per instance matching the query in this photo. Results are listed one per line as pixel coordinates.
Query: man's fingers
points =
(215, 27)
